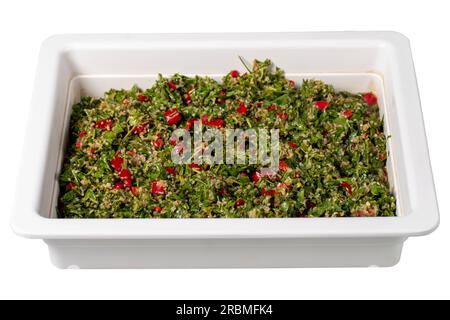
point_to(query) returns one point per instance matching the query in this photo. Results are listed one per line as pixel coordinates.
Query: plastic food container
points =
(74, 65)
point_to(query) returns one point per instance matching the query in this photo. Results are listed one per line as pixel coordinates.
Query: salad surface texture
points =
(332, 151)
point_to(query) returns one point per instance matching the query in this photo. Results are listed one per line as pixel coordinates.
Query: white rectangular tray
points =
(75, 65)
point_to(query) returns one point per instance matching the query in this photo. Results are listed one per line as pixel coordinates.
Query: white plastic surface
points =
(73, 65)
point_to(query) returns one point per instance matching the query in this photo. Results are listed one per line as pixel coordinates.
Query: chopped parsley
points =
(332, 151)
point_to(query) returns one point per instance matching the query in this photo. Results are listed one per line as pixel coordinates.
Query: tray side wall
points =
(237, 253)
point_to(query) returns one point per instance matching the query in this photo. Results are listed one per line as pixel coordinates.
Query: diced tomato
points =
(283, 115)
(346, 186)
(142, 128)
(118, 185)
(187, 98)
(322, 105)
(135, 191)
(172, 86)
(191, 122)
(126, 177)
(239, 203)
(205, 119)
(293, 145)
(117, 161)
(158, 143)
(370, 99)
(82, 134)
(282, 185)
(70, 185)
(291, 83)
(103, 124)
(272, 107)
(158, 187)
(195, 166)
(348, 113)
(80, 137)
(142, 98)
(171, 170)
(173, 141)
(157, 209)
(283, 165)
(234, 73)
(242, 109)
(268, 193)
(216, 122)
(172, 116)
(382, 157)
(91, 152)
(256, 176)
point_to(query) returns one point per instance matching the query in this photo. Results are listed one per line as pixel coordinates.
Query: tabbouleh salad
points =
(332, 151)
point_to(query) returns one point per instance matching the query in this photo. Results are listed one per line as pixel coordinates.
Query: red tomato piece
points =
(135, 191)
(82, 134)
(117, 161)
(256, 176)
(172, 116)
(268, 193)
(126, 177)
(346, 186)
(242, 109)
(283, 165)
(142, 98)
(158, 187)
(70, 185)
(190, 123)
(293, 145)
(216, 122)
(118, 185)
(239, 203)
(103, 124)
(348, 113)
(272, 107)
(322, 105)
(172, 86)
(283, 116)
(187, 98)
(158, 143)
(171, 170)
(142, 128)
(370, 99)
(234, 73)
(195, 166)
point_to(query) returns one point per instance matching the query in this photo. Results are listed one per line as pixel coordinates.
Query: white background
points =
(25, 270)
